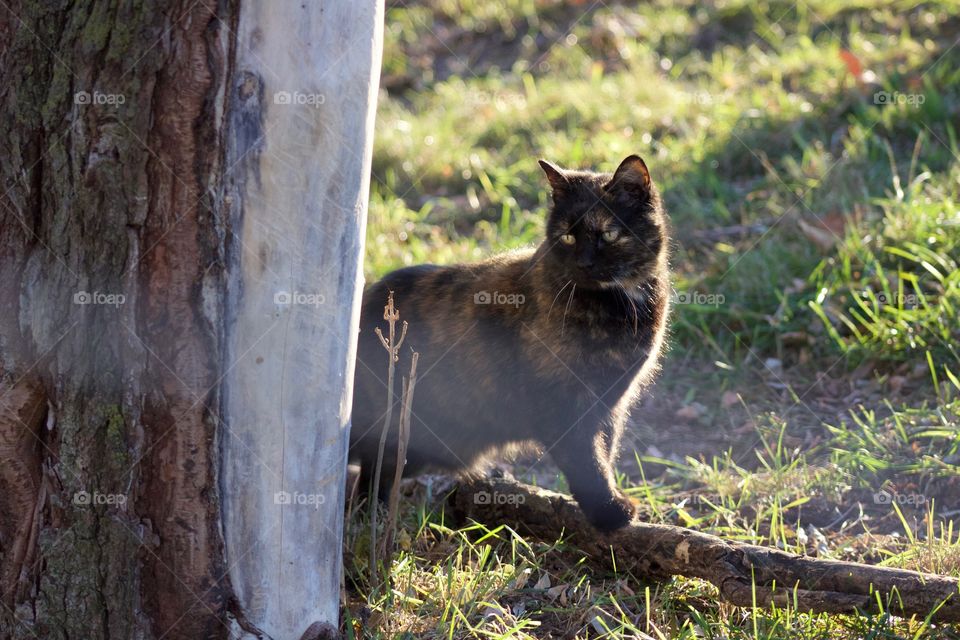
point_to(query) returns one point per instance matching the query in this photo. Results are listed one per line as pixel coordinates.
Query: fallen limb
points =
(659, 551)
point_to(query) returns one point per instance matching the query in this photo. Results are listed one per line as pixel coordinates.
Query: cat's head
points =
(604, 230)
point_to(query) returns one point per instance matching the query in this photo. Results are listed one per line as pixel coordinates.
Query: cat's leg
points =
(584, 457)
(613, 436)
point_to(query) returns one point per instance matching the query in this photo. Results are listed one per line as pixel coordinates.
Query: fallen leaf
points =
(896, 383)
(543, 582)
(688, 413)
(819, 540)
(555, 592)
(747, 427)
(819, 234)
(852, 62)
(729, 398)
(691, 411)
(495, 610)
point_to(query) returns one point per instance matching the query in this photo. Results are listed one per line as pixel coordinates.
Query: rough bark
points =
(21, 485)
(123, 123)
(740, 571)
(110, 144)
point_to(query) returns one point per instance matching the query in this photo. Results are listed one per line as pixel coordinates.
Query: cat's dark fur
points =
(559, 370)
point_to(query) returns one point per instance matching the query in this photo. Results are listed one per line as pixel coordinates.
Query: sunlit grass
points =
(822, 220)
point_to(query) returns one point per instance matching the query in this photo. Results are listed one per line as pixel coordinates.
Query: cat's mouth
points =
(616, 281)
(593, 281)
(608, 283)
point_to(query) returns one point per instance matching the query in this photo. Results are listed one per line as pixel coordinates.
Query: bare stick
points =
(406, 405)
(392, 345)
(744, 573)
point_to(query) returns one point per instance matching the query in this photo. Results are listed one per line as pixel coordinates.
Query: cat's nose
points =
(585, 257)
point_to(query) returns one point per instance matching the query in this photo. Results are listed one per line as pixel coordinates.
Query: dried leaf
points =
(852, 62)
(729, 399)
(825, 230)
(556, 592)
(691, 411)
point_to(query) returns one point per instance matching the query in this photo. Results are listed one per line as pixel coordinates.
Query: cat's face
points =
(604, 230)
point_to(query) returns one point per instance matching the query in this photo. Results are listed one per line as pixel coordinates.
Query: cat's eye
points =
(611, 235)
(567, 238)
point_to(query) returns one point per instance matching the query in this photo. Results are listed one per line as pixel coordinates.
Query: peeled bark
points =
(137, 169)
(298, 176)
(740, 571)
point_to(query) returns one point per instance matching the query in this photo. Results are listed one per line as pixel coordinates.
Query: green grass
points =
(824, 220)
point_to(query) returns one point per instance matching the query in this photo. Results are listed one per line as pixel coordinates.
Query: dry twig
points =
(392, 345)
(745, 574)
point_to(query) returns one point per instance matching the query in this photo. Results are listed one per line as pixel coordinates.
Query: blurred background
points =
(807, 153)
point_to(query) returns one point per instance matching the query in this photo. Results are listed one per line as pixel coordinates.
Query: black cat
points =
(547, 348)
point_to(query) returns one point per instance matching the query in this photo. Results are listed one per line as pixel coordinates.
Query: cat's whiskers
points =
(563, 323)
(633, 306)
(556, 297)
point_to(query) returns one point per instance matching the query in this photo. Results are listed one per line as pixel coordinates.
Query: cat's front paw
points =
(610, 515)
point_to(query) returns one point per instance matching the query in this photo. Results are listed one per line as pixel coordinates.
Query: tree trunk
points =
(182, 208)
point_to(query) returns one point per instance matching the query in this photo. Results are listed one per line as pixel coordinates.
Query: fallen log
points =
(744, 573)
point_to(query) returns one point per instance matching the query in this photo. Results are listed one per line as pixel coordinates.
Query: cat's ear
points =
(556, 177)
(632, 175)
